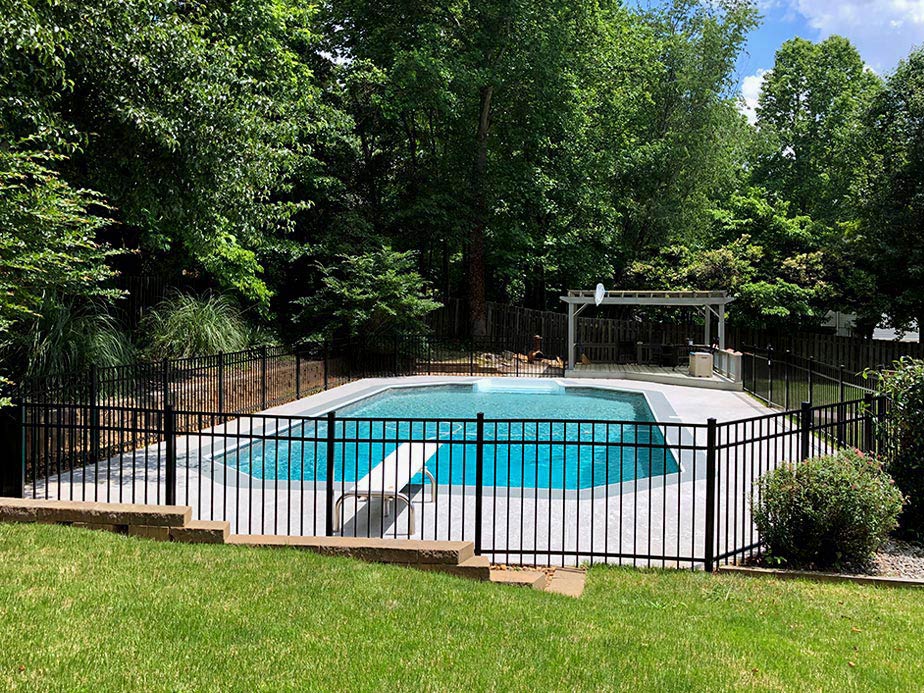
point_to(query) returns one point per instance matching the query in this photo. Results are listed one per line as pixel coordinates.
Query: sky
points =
(884, 31)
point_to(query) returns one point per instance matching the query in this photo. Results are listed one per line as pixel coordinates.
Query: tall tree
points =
(810, 113)
(892, 220)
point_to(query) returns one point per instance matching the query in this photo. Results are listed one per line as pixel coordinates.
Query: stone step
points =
(533, 579)
(567, 581)
(202, 532)
(88, 513)
(474, 568)
(401, 551)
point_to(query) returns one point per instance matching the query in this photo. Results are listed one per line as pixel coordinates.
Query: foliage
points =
(189, 119)
(903, 429)
(778, 266)
(810, 113)
(826, 512)
(186, 325)
(66, 336)
(371, 295)
(516, 148)
(893, 194)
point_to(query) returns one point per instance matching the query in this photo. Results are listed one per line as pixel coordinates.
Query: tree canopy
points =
(341, 167)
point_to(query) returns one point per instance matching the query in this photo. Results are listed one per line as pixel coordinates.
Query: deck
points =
(666, 375)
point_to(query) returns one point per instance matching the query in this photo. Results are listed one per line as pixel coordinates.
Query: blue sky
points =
(884, 31)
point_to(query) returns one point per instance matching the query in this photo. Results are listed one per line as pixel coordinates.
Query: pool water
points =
(534, 439)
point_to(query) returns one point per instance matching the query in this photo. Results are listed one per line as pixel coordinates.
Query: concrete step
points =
(567, 581)
(92, 513)
(474, 568)
(400, 551)
(533, 579)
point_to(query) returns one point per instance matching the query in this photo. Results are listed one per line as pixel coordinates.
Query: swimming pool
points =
(540, 435)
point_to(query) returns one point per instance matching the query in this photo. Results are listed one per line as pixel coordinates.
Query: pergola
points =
(709, 302)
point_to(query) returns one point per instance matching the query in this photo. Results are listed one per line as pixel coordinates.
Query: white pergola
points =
(709, 302)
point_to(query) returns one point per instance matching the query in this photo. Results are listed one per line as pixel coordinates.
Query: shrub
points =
(826, 512)
(186, 325)
(902, 429)
(374, 294)
(66, 336)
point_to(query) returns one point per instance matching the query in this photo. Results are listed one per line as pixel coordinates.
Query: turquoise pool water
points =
(542, 439)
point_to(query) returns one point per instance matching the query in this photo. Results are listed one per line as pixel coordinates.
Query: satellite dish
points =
(599, 294)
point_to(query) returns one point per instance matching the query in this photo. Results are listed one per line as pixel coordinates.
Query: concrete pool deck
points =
(659, 518)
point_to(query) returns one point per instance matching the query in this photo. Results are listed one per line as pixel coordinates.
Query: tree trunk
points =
(476, 270)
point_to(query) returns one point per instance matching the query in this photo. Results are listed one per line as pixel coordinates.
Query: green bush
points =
(826, 512)
(187, 325)
(902, 430)
(66, 336)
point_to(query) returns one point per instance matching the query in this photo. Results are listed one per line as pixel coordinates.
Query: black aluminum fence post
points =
(711, 435)
(13, 451)
(479, 480)
(263, 377)
(329, 524)
(170, 444)
(868, 445)
(805, 431)
(165, 381)
(786, 368)
(881, 408)
(770, 375)
(841, 409)
(324, 356)
(811, 380)
(221, 382)
(94, 413)
(396, 357)
(298, 374)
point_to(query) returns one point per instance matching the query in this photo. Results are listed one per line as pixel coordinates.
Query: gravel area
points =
(896, 559)
(899, 559)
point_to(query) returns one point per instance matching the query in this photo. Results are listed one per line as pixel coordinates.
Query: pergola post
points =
(571, 336)
(722, 326)
(707, 331)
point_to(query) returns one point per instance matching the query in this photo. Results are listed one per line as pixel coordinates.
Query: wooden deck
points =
(653, 374)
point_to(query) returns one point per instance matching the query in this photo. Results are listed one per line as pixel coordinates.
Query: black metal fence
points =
(545, 492)
(255, 379)
(782, 379)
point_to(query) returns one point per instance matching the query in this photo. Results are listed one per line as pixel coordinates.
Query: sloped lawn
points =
(84, 610)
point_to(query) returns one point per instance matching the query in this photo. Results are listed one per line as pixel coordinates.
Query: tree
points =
(892, 215)
(810, 114)
(48, 228)
(373, 295)
(779, 267)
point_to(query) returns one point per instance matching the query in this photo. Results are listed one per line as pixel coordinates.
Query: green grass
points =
(95, 611)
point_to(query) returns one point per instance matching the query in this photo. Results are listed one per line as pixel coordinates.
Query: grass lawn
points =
(95, 611)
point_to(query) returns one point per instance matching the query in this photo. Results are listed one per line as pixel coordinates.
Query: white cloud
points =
(883, 30)
(750, 92)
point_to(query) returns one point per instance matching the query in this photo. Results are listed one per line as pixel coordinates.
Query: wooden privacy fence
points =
(610, 339)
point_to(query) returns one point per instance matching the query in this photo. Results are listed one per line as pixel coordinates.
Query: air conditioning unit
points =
(701, 364)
